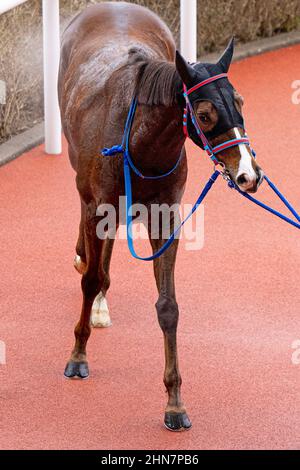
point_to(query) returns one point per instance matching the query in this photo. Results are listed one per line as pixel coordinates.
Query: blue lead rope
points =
(124, 148)
(128, 164)
(231, 184)
(129, 222)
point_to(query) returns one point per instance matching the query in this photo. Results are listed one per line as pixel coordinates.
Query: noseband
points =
(211, 151)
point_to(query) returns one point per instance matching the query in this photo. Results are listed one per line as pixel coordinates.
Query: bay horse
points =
(111, 52)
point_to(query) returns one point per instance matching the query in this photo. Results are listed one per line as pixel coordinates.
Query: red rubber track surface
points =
(238, 298)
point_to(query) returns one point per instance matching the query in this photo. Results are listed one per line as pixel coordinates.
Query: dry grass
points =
(21, 44)
(20, 69)
(247, 20)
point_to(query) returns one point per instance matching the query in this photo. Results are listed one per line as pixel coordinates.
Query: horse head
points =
(217, 111)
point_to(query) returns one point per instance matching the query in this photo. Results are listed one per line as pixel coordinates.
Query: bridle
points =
(211, 151)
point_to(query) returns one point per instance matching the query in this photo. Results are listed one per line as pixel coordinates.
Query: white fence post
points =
(188, 29)
(51, 38)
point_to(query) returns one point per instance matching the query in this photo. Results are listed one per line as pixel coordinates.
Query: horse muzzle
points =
(250, 183)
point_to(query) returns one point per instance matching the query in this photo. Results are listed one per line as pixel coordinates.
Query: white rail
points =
(188, 29)
(51, 61)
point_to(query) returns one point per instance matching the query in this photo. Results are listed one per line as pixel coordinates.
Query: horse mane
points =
(157, 81)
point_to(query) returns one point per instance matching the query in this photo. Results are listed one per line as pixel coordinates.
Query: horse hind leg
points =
(91, 283)
(100, 313)
(100, 317)
(80, 257)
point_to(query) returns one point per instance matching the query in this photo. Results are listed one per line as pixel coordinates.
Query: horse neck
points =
(158, 135)
(158, 123)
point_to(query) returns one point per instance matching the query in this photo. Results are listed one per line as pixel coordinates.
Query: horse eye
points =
(203, 118)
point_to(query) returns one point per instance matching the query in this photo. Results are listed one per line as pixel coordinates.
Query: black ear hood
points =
(219, 92)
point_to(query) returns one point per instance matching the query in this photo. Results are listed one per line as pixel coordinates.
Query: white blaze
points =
(245, 165)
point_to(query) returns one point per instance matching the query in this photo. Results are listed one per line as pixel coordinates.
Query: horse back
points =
(95, 46)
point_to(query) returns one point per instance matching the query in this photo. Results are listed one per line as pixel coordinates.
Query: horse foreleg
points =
(176, 418)
(91, 284)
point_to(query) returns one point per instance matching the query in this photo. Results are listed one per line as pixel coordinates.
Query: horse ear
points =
(226, 58)
(185, 71)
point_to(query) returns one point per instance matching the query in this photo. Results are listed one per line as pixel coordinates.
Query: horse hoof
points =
(100, 314)
(79, 265)
(177, 421)
(77, 369)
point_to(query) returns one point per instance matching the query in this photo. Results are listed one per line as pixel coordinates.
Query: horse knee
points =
(167, 312)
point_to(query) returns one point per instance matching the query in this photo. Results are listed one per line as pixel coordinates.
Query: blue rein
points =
(231, 184)
(128, 164)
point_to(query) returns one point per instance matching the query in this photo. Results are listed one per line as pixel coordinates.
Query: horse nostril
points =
(242, 179)
(260, 176)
